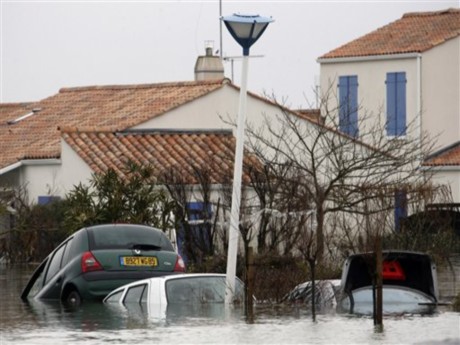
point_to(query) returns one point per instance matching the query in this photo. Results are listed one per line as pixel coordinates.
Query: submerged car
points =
(182, 289)
(409, 283)
(96, 260)
(325, 296)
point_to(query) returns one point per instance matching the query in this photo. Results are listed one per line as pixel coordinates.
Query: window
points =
(396, 104)
(66, 256)
(55, 263)
(348, 105)
(209, 289)
(123, 237)
(196, 237)
(400, 208)
(136, 294)
(115, 298)
(47, 199)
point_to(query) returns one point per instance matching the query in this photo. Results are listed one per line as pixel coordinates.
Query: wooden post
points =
(250, 284)
(379, 271)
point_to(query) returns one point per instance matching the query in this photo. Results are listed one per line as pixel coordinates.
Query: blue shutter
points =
(401, 103)
(348, 105)
(391, 104)
(353, 106)
(396, 104)
(400, 208)
(343, 104)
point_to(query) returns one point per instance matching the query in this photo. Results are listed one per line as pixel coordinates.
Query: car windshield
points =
(200, 290)
(128, 237)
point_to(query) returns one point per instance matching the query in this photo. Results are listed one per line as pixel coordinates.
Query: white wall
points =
(448, 176)
(206, 112)
(73, 170)
(41, 179)
(54, 177)
(441, 92)
(371, 84)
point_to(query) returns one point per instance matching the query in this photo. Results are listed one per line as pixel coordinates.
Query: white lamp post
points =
(246, 30)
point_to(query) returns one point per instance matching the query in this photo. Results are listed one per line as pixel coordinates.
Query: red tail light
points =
(392, 270)
(180, 266)
(89, 263)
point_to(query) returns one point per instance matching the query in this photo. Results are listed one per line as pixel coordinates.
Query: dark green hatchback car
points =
(98, 259)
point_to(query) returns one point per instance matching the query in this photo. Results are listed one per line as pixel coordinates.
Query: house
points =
(445, 164)
(409, 70)
(34, 147)
(404, 74)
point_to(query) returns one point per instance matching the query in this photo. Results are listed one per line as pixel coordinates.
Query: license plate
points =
(139, 261)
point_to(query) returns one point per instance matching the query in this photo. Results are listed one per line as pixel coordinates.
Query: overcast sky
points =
(47, 45)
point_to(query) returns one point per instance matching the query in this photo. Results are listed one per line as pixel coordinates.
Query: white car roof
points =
(166, 278)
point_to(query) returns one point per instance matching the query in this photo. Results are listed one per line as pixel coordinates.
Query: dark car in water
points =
(96, 260)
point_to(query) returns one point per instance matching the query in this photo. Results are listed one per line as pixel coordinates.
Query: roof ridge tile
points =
(142, 86)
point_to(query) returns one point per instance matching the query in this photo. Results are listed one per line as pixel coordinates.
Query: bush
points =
(37, 231)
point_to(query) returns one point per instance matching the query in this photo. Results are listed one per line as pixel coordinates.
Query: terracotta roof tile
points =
(413, 33)
(164, 150)
(448, 156)
(99, 107)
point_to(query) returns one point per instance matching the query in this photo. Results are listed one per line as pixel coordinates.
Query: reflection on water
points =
(94, 323)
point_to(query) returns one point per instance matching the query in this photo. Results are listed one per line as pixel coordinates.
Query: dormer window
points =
(23, 117)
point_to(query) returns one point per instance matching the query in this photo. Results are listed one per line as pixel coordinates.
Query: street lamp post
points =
(246, 30)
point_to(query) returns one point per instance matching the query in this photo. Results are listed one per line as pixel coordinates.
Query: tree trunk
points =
(319, 233)
(313, 288)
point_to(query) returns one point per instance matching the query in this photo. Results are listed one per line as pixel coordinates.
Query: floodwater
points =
(95, 323)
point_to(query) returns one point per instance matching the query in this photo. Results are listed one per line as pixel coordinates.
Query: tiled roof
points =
(413, 33)
(164, 150)
(448, 156)
(313, 115)
(102, 107)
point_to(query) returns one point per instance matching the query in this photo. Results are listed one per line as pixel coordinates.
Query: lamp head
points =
(246, 29)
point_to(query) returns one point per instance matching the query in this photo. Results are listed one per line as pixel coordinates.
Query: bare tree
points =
(200, 227)
(337, 173)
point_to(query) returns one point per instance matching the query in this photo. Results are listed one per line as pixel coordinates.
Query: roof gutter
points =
(437, 168)
(369, 58)
(419, 98)
(29, 162)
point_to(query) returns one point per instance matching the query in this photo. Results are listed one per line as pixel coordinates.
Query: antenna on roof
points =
(233, 58)
(220, 29)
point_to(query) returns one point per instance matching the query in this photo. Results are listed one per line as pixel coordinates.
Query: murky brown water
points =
(50, 323)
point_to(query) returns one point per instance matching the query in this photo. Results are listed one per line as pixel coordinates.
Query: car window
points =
(65, 257)
(115, 298)
(200, 290)
(36, 281)
(119, 237)
(55, 263)
(135, 294)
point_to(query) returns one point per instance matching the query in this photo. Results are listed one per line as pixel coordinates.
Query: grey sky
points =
(46, 45)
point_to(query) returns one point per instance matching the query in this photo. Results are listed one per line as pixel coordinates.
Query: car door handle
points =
(58, 281)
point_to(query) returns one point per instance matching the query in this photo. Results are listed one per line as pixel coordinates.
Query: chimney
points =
(209, 66)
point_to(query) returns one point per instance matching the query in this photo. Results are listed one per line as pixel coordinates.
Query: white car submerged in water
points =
(409, 283)
(185, 294)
